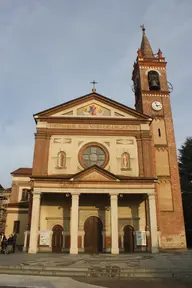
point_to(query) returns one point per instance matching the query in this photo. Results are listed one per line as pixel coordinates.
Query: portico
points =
(123, 204)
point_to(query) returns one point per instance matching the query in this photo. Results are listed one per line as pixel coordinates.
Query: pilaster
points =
(26, 235)
(35, 222)
(153, 223)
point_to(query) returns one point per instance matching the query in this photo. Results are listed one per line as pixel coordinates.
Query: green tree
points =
(185, 165)
(185, 170)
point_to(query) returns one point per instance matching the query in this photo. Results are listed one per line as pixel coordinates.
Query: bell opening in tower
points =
(153, 80)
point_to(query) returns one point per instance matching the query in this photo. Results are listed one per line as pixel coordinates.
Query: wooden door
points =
(93, 235)
(128, 239)
(57, 238)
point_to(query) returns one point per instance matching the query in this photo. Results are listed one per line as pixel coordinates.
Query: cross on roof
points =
(143, 27)
(93, 82)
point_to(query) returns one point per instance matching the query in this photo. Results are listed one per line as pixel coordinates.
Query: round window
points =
(93, 154)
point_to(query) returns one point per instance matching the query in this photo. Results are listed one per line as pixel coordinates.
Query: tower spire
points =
(146, 49)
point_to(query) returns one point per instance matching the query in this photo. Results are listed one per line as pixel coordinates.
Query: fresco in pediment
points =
(93, 110)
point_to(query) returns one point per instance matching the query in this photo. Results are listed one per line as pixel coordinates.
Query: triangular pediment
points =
(94, 173)
(92, 105)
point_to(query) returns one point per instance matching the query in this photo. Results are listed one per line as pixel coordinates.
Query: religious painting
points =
(93, 110)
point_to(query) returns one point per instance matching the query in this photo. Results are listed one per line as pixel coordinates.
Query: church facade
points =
(104, 176)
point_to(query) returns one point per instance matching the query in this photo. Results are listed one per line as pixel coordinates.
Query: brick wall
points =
(168, 191)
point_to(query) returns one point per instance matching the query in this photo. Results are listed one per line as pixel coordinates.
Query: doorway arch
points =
(93, 240)
(128, 239)
(57, 238)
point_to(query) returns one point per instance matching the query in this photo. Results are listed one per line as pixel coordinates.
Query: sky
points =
(50, 50)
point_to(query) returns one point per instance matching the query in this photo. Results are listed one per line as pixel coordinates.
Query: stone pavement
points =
(167, 260)
(124, 265)
(14, 281)
(17, 281)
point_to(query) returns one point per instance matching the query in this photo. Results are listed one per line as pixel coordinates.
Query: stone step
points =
(96, 272)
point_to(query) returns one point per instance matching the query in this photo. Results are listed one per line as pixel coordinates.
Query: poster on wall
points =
(44, 238)
(141, 238)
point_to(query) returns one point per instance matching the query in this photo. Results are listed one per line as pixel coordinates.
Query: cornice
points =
(155, 93)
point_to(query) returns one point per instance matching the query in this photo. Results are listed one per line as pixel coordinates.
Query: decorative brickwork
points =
(168, 192)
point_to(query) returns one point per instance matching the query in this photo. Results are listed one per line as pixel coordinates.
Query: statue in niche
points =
(61, 160)
(125, 161)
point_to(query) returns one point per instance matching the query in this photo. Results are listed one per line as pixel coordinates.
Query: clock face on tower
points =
(157, 106)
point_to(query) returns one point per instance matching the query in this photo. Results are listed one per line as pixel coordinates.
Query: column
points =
(82, 240)
(50, 239)
(74, 224)
(63, 233)
(122, 240)
(153, 223)
(34, 222)
(103, 240)
(147, 228)
(26, 235)
(114, 225)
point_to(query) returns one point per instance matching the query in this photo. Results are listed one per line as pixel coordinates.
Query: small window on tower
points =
(159, 132)
(153, 80)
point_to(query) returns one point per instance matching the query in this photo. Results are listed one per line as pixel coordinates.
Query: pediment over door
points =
(94, 173)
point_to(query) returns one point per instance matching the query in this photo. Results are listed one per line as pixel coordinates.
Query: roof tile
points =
(22, 171)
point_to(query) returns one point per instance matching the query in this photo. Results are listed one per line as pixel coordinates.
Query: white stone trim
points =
(152, 69)
(114, 224)
(74, 224)
(153, 223)
(157, 95)
(34, 232)
(134, 190)
(26, 233)
(26, 179)
(50, 238)
(16, 210)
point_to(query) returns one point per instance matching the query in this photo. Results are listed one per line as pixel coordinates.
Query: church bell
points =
(154, 85)
(153, 79)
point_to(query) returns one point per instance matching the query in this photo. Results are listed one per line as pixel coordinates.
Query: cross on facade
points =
(93, 82)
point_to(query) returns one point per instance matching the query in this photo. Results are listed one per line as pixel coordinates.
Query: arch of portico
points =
(74, 214)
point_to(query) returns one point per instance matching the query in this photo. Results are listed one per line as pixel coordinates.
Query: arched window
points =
(125, 161)
(153, 80)
(61, 160)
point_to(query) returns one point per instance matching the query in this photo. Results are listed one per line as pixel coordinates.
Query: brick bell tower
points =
(152, 97)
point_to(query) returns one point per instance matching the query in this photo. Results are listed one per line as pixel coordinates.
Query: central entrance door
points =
(93, 240)
(128, 239)
(57, 238)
